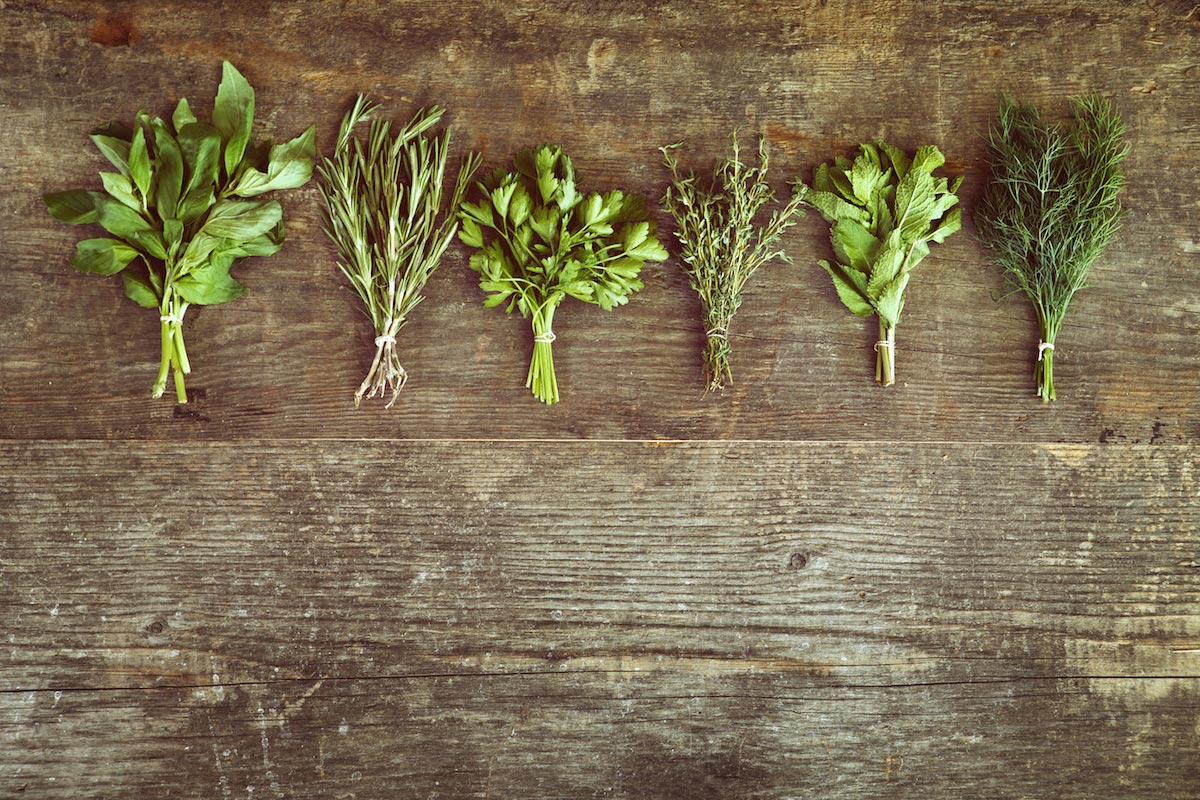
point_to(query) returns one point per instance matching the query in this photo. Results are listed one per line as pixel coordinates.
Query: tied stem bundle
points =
(1051, 207)
(884, 208)
(382, 203)
(722, 246)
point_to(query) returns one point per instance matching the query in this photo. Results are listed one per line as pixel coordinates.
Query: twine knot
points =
(717, 333)
(883, 343)
(170, 318)
(1043, 347)
(386, 338)
(545, 338)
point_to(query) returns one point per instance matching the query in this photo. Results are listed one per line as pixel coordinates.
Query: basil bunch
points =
(177, 212)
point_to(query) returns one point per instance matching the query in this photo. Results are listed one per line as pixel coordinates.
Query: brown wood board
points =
(612, 619)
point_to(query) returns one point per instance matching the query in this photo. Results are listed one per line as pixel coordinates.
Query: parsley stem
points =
(542, 380)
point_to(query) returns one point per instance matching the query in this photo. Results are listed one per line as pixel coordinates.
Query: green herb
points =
(382, 203)
(1051, 207)
(884, 210)
(172, 209)
(722, 245)
(541, 241)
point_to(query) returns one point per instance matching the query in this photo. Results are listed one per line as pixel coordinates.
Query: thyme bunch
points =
(382, 200)
(722, 246)
(1051, 207)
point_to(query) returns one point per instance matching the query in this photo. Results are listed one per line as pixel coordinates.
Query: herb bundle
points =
(884, 209)
(174, 211)
(722, 245)
(540, 240)
(1051, 207)
(382, 203)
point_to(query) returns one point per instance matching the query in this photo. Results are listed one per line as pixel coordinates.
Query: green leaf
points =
(888, 264)
(864, 177)
(834, 208)
(242, 220)
(854, 245)
(891, 301)
(121, 188)
(233, 115)
(899, 160)
(183, 115)
(200, 146)
(169, 167)
(210, 284)
(649, 250)
(121, 220)
(470, 234)
(114, 149)
(139, 162)
(102, 256)
(139, 288)
(75, 206)
(950, 224)
(914, 203)
(850, 286)
(289, 166)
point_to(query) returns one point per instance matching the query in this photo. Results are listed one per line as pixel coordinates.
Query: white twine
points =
(168, 318)
(386, 338)
(719, 333)
(883, 343)
(545, 338)
(1042, 348)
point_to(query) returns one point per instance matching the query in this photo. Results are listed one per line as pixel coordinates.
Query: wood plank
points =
(502, 619)
(611, 85)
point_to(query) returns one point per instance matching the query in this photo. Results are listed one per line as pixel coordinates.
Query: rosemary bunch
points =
(1051, 207)
(721, 244)
(382, 202)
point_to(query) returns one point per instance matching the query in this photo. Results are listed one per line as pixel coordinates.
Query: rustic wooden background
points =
(807, 587)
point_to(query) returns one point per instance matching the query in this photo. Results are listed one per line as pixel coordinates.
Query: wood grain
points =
(504, 619)
(611, 84)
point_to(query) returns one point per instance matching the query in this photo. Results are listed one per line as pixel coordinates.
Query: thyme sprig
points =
(1051, 207)
(382, 201)
(722, 246)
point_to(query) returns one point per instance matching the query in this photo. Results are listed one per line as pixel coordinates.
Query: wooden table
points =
(806, 587)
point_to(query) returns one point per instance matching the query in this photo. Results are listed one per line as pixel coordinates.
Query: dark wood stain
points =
(807, 586)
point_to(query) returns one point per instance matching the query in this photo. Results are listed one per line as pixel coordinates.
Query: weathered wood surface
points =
(947, 591)
(772, 620)
(611, 83)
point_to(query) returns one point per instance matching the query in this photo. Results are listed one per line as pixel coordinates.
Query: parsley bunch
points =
(884, 209)
(1051, 207)
(722, 244)
(540, 241)
(177, 209)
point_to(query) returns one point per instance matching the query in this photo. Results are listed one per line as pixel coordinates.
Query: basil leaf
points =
(75, 206)
(114, 149)
(169, 164)
(102, 256)
(242, 220)
(120, 220)
(139, 162)
(183, 115)
(210, 284)
(121, 188)
(289, 166)
(139, 286)
(233, 115)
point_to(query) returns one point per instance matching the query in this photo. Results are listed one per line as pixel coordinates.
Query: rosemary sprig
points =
(722, 247)
(382, 202)
(1051, 207)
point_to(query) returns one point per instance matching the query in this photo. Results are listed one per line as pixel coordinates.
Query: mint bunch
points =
(884, 209)
(177, 210)
(540, 241)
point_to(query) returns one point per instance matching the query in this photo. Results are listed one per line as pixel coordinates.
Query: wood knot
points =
(113, 31)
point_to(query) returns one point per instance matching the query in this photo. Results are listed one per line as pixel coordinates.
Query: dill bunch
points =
(1051, 207)
(722, 246)
(382, 202)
